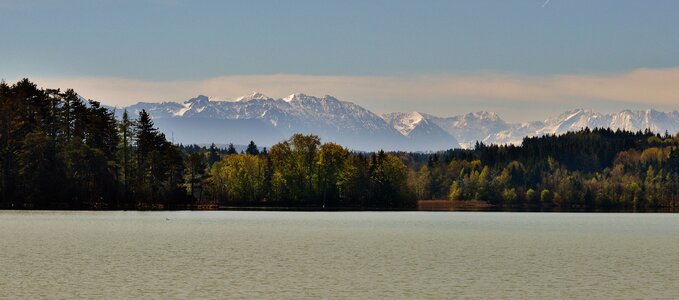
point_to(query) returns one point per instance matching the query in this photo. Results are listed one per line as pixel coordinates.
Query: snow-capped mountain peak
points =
(416, 127)
(574, 120)
(199, 101)
(268, 121)
(295, 96)
(404, 122)
(482, 115)
(253, 96)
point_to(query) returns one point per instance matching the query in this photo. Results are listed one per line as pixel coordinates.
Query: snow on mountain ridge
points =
(200, 100)
(332, 119)
(404, 122)
(358, 128)
(252, 96)
(577, 119)
(417, 128)
(470, 127)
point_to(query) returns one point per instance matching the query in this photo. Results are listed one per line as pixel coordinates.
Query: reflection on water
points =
(231, 254)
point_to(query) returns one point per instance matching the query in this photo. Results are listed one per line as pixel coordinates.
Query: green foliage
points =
(196, 168)
(238, 179)
(231, 150)
(531, 196)
(252, 149)
(545, 196)
(213, 155)
(303, 172)
(59, 151)
(331, 158)
(509, 196)
(455, 191)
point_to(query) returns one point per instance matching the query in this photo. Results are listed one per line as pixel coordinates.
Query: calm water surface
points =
(230, 254)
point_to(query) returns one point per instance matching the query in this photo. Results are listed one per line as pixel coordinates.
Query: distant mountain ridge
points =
(576, 119)
(266, 120)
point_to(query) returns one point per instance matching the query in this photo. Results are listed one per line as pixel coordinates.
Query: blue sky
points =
(157, 42)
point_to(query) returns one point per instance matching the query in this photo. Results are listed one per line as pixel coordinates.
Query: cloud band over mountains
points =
(648, 87)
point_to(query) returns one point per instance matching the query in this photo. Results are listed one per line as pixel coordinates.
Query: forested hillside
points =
(59, 151)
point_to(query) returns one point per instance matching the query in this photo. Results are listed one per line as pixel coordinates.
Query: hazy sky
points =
(522, 59)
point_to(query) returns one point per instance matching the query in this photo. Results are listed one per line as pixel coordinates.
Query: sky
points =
(524, 59)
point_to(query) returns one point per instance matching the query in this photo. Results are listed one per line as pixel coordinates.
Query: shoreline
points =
(470, 208)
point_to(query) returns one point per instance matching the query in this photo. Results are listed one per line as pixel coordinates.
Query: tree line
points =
(598, 168)
(60, 151)
(302, 172)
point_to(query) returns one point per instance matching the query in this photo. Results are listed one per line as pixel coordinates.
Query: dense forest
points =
(60, 151)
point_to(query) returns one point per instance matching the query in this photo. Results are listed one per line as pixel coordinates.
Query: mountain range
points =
(266, 120)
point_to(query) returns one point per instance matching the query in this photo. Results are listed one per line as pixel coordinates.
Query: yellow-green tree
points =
(239, 178)
(330, 163)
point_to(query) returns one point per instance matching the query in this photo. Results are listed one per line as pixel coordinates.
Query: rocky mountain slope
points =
(267, 121)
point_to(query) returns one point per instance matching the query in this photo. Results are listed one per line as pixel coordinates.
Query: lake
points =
(234, 254)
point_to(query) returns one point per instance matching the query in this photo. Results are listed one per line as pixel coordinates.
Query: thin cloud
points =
(650, 87)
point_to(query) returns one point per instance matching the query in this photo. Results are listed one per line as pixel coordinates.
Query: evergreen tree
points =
(231, 150)
(213, 155)
(196, 167)
(127, 135)
(252, 149)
